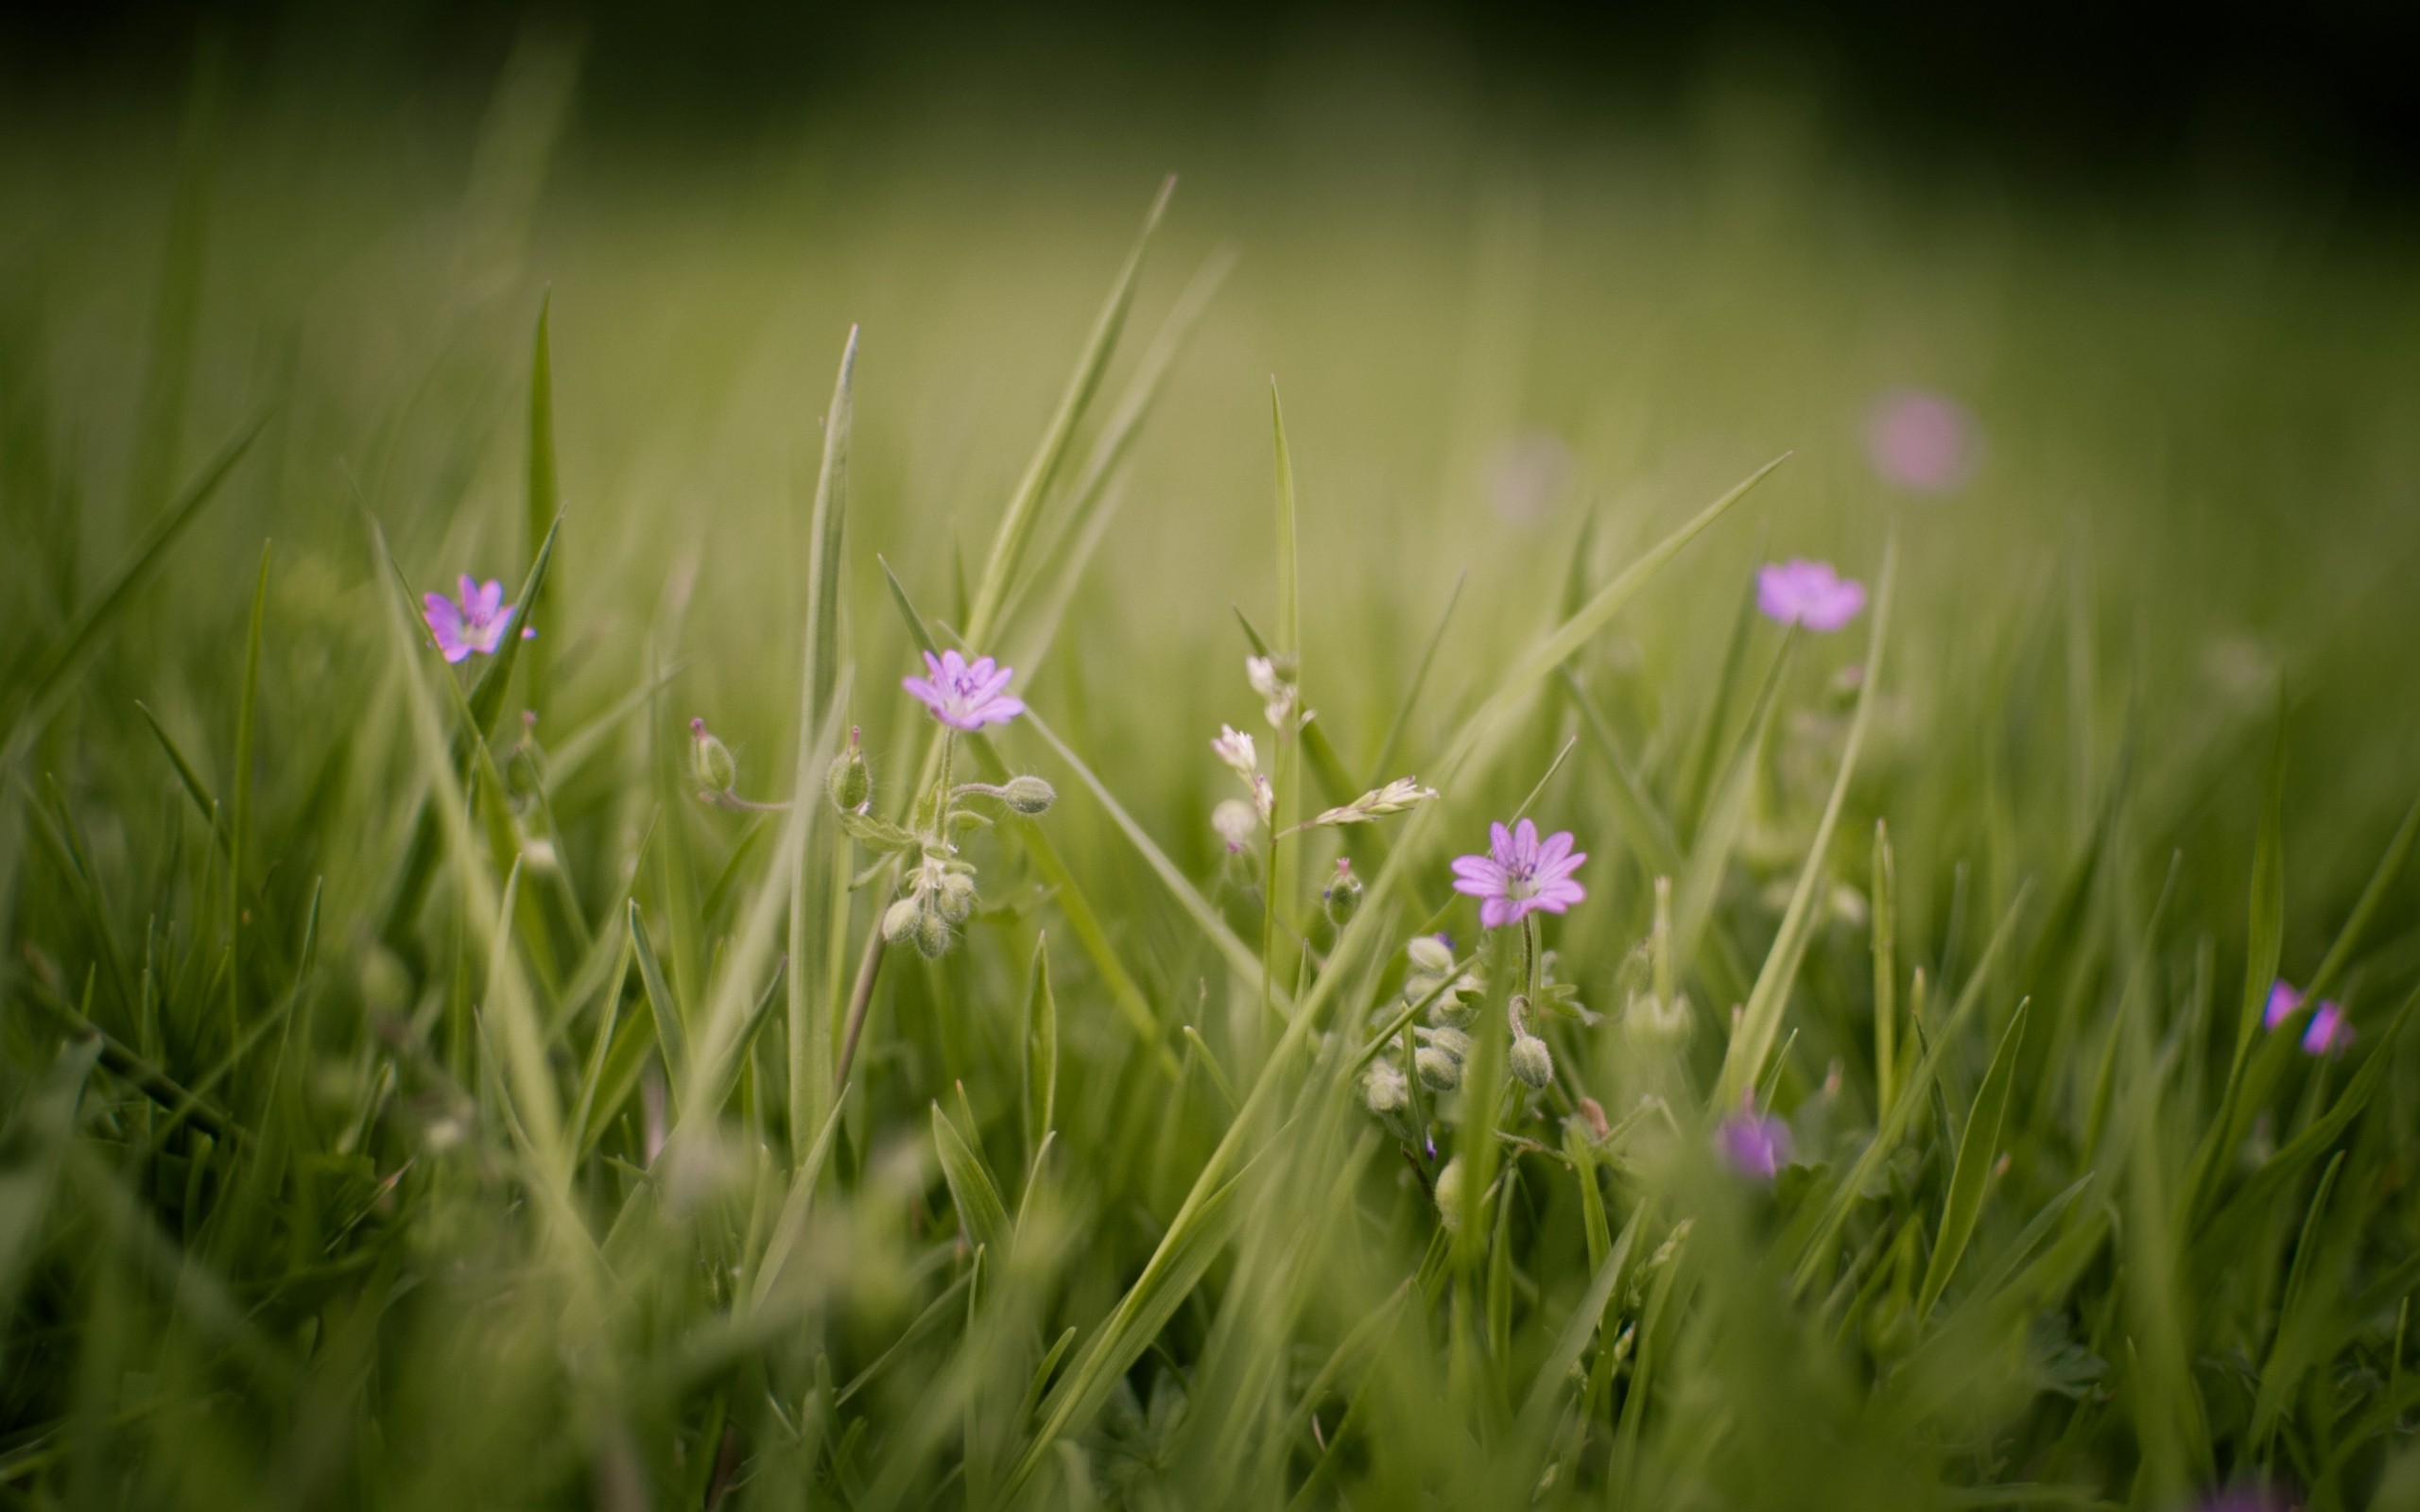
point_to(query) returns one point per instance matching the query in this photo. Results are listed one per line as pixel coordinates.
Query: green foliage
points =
(411, 1096)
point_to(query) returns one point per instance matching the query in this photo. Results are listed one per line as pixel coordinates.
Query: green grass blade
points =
(1017, 521)
(1038, 1086)
(1978, 1145)
(544, 500)
(671, 1033)
(981, 1211)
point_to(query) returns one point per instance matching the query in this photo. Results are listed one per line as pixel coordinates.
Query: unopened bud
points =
(1343, 894)
(956, 897)
(1452, 1042)
(1430, 956)
(1028, 794)
(1439, 1072)
(849, 780)
(1449, 1194)
(710, 759)
(1532, 1061)
(899, 922)
(1384, 1087)
(932, 934)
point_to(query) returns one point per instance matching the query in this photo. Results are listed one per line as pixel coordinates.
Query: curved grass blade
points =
(1976, 1146)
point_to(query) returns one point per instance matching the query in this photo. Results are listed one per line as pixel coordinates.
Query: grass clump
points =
(495, 1081)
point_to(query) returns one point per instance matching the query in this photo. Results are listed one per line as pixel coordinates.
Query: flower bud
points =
(932, 934)
(1449, 1194)
(1343, 894)
(1532, 1061)
(1430, 956)
(899, 921)
(954, 897)
(1452, 1042)
(710, 759)
(1384, 1087)
(1439, 1072)
(1028, 794)
(847, 780)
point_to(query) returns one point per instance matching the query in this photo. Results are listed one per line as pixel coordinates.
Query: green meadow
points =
(657, 1064)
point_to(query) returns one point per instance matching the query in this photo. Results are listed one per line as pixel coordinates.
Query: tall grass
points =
(416, 1095)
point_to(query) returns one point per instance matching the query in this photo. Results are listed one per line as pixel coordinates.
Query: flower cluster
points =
(936, 885)
(1238, 819)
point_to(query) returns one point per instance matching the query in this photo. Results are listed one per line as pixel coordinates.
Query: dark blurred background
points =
(2316, 100)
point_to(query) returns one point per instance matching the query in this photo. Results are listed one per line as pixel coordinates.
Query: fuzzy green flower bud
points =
(710, 759)
(1385, 1088)
(1343, 894)
(1449, 1194)
(1430, 956)
(1439, 1072)
(932, 934)
(899, 921)
(1532, 1061)
(954, 897)
(849, 780)
(1028, 794)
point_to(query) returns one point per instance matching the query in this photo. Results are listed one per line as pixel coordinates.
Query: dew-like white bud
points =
(1236, 749)
(1028, 794)
(1439, 1072)
(1452, 1042)
(1235, 821)
(932, 934)
(1430, 956)
(1532, 1061)
(899, 921)
(1385, 1088)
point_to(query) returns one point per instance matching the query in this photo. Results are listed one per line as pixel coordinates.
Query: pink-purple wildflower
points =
(2283, 1001)
(1922, 441)
(1754, 1144)
(475, 620)
(2328, 1031)
(1520, 874)
(2326, 1034)
(963, 694)
(1799, 591)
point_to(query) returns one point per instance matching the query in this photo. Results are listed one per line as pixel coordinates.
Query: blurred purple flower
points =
(2328, 1031)
(475, 620)
(1755, 1144)
(1922, 441)
(1799, 591)
(2283, 1001)
(1520, 874)
(963, 696)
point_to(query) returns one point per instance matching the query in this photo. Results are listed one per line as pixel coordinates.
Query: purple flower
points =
(1799, 591)
(1755, 1144)
(1520, 873)
(475, 620)
(2328, 1031)
(1922, 441)
(2283, 1001)
(964, 695)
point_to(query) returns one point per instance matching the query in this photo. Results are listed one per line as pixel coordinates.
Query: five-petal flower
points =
(1520, 874)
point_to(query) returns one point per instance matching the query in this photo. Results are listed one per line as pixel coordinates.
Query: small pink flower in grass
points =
(475, 620)
(1520, 874)
(2283, 1001)
(2328, 1031)
(1799, 591)
(963, 694)
(1755, 1144)
(1922, 441)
